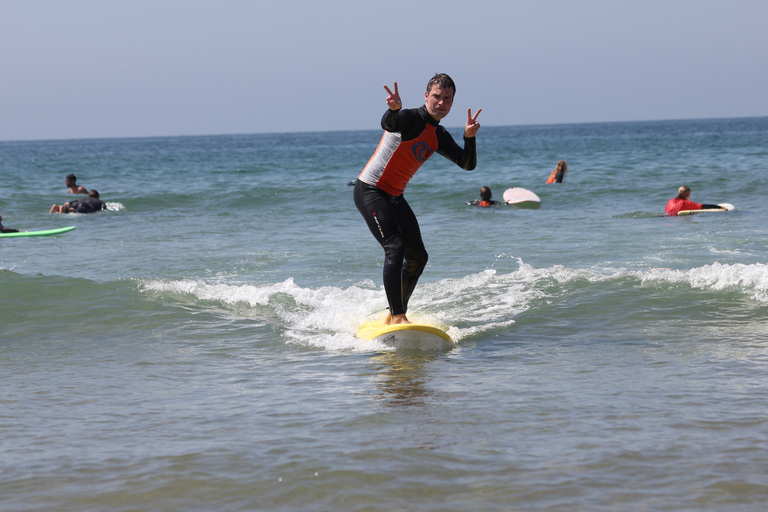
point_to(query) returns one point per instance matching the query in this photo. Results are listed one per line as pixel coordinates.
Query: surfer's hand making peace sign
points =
(472, 125)
(393, 100)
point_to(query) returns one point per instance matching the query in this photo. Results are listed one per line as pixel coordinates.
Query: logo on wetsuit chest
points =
(422, 151)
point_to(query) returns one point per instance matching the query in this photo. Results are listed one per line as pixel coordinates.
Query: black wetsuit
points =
(479, 202)
(7, 230)
(87, 205)
(411, 136)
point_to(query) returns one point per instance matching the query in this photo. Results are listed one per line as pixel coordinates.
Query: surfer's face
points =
(439, 101)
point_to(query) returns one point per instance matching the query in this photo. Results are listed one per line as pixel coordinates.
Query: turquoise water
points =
(195, 349)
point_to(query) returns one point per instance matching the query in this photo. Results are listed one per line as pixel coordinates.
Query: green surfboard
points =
(47, 232)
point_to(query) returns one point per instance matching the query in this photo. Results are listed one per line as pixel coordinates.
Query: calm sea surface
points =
(195, 349)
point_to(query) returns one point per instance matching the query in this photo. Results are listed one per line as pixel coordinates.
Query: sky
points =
(140, 68)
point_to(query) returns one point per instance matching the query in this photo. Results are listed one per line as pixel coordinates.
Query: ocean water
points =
(195, 349)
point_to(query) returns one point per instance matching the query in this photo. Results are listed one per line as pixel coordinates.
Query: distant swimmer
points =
(559, 173)
(90, 204)
(681, 202)
(485, 199)
(4, 229)
(74, 188)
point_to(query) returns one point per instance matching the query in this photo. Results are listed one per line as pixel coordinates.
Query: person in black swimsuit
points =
(92, 203)
(485, 199)
(4, 229)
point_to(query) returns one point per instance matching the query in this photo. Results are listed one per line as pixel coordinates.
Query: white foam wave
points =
(750, 280)
(328, 317)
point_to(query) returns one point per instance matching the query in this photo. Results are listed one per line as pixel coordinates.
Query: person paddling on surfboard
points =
(681, 202)
(4, 229)
(410, 137)
(92, 203)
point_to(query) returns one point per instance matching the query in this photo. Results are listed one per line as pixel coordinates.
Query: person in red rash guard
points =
(681, 202)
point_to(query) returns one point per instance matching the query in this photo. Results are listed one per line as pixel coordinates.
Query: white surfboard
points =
(406, 336)
(728, 207)
(521, 198)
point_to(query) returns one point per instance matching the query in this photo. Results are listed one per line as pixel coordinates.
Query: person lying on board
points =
(74, 188)
(559, 173)
(4, 229)
(92, 203)
(485, 199)
(681, 202)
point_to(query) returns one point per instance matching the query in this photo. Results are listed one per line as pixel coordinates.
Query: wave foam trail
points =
(328, 317)
(750, 280)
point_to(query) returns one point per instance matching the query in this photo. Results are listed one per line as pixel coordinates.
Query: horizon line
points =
(367, 129)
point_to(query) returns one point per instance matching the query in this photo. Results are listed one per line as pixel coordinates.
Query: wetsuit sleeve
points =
(389, 120)
(465, 158)
(404, 121)
(711, 207)
(8, 230)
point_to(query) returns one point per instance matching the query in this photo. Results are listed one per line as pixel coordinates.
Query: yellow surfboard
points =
(406, 336)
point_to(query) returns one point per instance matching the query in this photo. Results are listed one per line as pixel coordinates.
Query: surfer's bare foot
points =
(54, 209)
(396, 319)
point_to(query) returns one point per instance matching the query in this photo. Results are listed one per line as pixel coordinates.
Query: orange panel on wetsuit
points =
(396, 161)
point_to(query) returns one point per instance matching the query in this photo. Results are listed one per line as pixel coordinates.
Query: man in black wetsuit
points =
(92, 203)
(411, 136)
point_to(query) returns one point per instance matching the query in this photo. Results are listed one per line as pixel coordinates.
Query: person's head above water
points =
(485, 194)
(683, 193)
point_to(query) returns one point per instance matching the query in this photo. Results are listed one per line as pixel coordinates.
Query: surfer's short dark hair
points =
(71, 177)
(93, 193)
(443, 80)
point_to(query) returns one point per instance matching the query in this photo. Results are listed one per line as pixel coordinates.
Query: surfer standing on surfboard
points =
(410, 137)
(681, 202)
